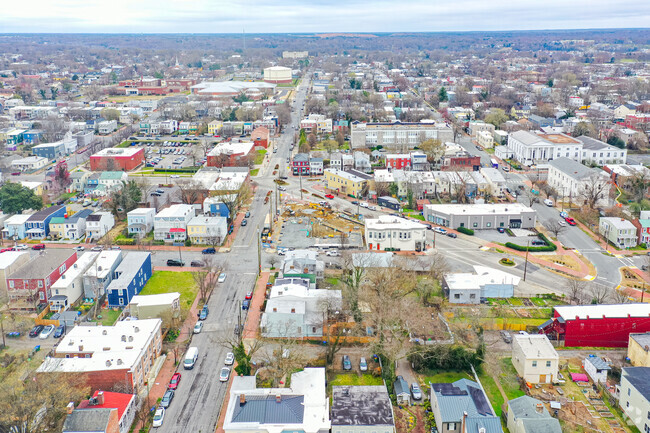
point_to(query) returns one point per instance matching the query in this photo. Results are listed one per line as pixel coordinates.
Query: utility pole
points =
(526, 264)
(241, 331)
(180, 255)
(300, 182)
(271, 215)
(259, 253)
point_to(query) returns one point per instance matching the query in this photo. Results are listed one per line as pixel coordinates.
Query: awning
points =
(546, 324)
(176, 230)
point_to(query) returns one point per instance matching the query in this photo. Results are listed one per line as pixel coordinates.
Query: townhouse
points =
(69, 289)
(98, 276)
(351, 182)
(534, 358)
(620, 232)
(98, 224)
(140, 221)
(207, 230)
(72, 227)
(170, 224)
(15, 227)
(316, 123)
(37, 225)
(129, 278)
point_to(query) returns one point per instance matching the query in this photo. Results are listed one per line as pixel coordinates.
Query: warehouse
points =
(597, 325)
(481, 216)
(277, 74)
(113, 159)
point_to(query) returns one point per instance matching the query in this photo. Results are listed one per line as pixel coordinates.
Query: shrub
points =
(465, 230)
(188, 242)
(506, 262)
(125, 241)
(550, 246)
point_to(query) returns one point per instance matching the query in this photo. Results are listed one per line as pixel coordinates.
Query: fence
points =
(40, 321)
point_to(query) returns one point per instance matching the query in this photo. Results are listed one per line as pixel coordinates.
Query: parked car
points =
(197, 263)
(210, 250)
(224, 374)
(97, 248)
(562, 223)
(167, 398)
(538, 242)
(501, 230)
(244, 222)
(571, 221)
(506, 336)
(173, 262)
(79, 248)
(249, 295)
(230, 359)
(39, 247)
(20, 247)
(198, 327)
(247, 215)
(176, 379)
(36, 330)
(222, 277)
(415, 391)
(330, 196)
(452, 235)
(333, 253)
(363, 365)
(347, 365)
(439, 230)
(58, 332)
(203, 314)
(46, 332)
(246, 304)
(159, 417)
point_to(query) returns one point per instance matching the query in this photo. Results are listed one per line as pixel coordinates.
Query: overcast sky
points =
(287, 16)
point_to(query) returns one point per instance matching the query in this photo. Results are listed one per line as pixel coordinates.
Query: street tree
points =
(15, 198)
(496, 117)
(599, 293)
(191, 191)
(110, 114)
(594, 189)
(234, 197)
(576, 290)
(206, 277)
(434, 149)
(554, 227)
(340, 138)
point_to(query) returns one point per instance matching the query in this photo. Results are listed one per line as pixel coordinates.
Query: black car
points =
(58, 332)
(204, 313)
(452, 235)
(246, 304)
(197, 264)
(538, 242)
(209, 251)
(35, 331)
(172, 262)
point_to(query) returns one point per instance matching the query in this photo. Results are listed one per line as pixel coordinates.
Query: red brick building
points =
(30, 285)
(461, 162)
(261, 137)
(597, 325)
(401, 161)
(115, 159)
(230, 154)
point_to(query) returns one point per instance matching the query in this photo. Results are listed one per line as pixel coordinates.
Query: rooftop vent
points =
(278, 398)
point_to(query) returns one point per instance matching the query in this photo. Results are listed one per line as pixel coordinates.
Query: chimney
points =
(278, 398)
(242, 399)
(70, 407)
(100, 397)
(539, 408)
(81, 348)
(463, 423)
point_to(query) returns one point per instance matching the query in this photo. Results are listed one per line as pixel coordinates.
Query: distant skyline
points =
(309, 16)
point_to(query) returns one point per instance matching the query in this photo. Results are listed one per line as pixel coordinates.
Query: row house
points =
(129, 278)
(316, 123)
(170, 224)
(300, 164)
(73, 227)
(98, 224)
(140, 221)
(37, 225)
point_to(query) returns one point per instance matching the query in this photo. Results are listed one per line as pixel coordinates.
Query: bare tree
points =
(190, 191)
(206, 278)
(599, 293)
(620, 296)
(283, 356)
(595, 189)
(576, 290)
(554, 227)
(234, 199)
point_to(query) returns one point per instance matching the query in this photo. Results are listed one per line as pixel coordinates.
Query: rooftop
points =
(361, 406)
(559, 138)
(142, 211)
(128, 268)
(465, 396)
(479, 209)
(118, 152)
(104, 264)
(535, 346)
(390, 222)
(44, 213)
(599, 363)
(573, 312)
(176, 211)
(639, 377)
(87, 420)
(112, 400)
(351, 175)
(80, 266)
(159, 299)
(573, 168)
(43, 264)
(642, 339)
(9, 257)
(232, 148)
(589, 143)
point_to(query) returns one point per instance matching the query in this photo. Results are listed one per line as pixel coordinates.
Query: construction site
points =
(317, 225)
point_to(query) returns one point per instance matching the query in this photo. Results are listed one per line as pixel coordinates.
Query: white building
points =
(394, 233)
(534, 358)
(302, 407)
(29, 163)
(98, 224)
(398, 135)
(597, 368)
(485, 139)
(170, 224)
(294, 310)
(140, 221)
(618, 231)
(98, 276)
(529, 148)
(600, 153)
(67, 290)
(574, 180)
(316, 123)
(495, 180)
(481, 216)
(277, 74)
(466, 288)
(315, 166)
(107, 126)
(635, 395)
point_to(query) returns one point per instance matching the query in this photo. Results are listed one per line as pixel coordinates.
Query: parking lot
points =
(172, 154)
(521, 236)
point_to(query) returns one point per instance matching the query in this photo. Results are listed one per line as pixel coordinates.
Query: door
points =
(542, 378)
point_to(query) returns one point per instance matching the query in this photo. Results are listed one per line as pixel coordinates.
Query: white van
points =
(190, 358)
(548, 202)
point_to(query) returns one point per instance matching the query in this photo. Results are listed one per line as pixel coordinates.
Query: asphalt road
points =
(199, 397)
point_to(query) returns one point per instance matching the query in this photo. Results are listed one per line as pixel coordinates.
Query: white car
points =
(79, 248)
(198, 327)
(333, 253)
(174, 176)
(222, 277)
(20, 247)
(230, 359)
(224, 374)
(439, 230)
(159, 417)
(46, 332)
(562, 223)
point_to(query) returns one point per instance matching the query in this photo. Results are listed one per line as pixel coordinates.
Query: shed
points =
(402, 392)
(597, 368)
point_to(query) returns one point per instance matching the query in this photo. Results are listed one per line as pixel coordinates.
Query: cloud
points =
(293, 16)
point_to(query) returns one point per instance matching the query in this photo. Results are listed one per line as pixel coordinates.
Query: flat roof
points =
(159, 299)
(361, 406)
(103, 264)
(392, 222)
(535, 346)
(8, 258)
(479, 209)
(571, 312)
(118, 151)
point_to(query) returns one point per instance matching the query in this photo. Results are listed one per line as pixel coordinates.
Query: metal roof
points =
(266, 409)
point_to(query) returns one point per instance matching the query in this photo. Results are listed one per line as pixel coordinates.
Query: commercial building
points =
(529, 148)
(474, 288)
(597, 325)
(294, 310)
(401, 136)
(575, 181)
(529, 415)
(391, 233)
(140, 221)
(351, 182)
(600, 153)
(360, 409)
(129, 278)
(481, 216)
(619, 231)
(228, 89)
(105, 356)
(534, 358)
(230, 154)
(111, 159)
(277, 75)
(300, 164)
(638, 349)
(170, 224)
(301, 407)
(635, 395)
(29, 163)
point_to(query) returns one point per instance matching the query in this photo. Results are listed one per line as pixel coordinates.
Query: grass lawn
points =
(259, 158)
(492, 392)
(124, 144)
(516, 302)
(108, 316)
(443, 377)
(255, 171)
(540, 302)
(416, 216)
(168, 281)
(332, 281)
(355, 380)
(508, 379)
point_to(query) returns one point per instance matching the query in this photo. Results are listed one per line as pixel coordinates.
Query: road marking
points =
(590, 277)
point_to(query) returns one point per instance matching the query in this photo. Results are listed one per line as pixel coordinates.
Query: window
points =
(628, 391)
(293, 310)
(41, 296)
(62, 268)
(451, 426)
(40, 283)
(627, 404)
(456, 295)
(548, 363)
(475, 224)
(11, 284)
(534, 363)
(472, 296)
(121, 301)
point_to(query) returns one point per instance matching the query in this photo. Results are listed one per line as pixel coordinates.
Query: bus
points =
(494, 163)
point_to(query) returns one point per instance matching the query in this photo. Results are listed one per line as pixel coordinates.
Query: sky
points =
(313, 16)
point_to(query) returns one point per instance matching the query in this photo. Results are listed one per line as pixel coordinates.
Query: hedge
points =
(550, 246)
(465, 230)
(176, 170)
(125, 241)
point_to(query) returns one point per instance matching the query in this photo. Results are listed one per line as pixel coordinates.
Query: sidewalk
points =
(605, 246)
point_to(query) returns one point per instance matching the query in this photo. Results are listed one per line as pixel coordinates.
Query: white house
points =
(98, 276)
(529, 148)
(618, 231)
(495, 179)
(390, 232)
(485, 139)
(316, 166)
(107, 126)
(600, 153)
(170, 224)
(597, 368)
(466, 288)
(29, 163)
(293, 310)
(70, 286)
(575, 181)
(534, 358)
(98, 224)
(302, 407)
(140, 221)
(635, 395)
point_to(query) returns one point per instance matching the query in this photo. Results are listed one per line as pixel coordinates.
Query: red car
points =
(249, 295)
(176, 378)
(39, 247)
(4, 250)
(571, 221)
(330, 196)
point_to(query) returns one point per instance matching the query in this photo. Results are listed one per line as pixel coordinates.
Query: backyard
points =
(168, 282)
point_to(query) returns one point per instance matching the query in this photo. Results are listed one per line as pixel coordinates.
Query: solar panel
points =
(448, 389)
(482, 405)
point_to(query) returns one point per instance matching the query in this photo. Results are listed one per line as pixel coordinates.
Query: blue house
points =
(92, 183)
(38, 225)
(129, 278)
(32, 136)
(50, 150)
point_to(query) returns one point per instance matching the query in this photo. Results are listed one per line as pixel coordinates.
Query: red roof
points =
(176, 230)
(112, 400)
